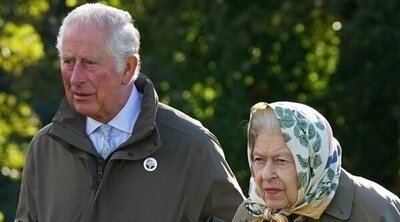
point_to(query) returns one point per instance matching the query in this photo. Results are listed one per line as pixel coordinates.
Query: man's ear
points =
(130, 69)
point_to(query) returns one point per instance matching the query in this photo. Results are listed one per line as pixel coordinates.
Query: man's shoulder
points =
(175, 118)
(42, 131)
(172, 119)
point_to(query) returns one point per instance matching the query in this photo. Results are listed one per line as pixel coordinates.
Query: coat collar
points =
(341, 204)
(70, 126)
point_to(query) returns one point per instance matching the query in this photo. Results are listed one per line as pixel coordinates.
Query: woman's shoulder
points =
(369, 192)
(367, 198)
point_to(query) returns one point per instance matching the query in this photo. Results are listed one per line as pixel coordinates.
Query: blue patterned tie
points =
(107, 146)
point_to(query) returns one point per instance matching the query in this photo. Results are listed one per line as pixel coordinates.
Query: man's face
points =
(92, 85)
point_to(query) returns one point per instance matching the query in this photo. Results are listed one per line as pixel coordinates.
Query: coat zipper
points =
(99, 177)
(96, 188)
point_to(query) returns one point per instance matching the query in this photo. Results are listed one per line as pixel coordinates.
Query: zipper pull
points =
(100, 170)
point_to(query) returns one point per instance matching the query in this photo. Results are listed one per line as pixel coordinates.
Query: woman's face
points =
(274, 170)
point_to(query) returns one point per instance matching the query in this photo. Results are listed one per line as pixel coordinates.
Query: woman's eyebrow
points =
(277, 153)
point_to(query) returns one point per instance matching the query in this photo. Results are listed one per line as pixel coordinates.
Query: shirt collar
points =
(125, 119)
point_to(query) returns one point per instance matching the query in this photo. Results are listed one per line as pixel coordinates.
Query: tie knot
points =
(107, 146)
(105, 130)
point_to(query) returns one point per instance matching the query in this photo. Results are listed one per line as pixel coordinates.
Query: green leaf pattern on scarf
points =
(302, 179)
(307, 135)
(287, 137)
(316, 153)
(331, 174)
(317, 144)
(303, 161)
(311, 132)
(317, 161)
(287, 121)
(279, 112)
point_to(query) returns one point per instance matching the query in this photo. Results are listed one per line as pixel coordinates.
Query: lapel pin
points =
(150, 164)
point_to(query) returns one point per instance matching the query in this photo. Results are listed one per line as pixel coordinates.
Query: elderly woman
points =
(296, 172)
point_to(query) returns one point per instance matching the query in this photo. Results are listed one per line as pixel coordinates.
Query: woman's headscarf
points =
(316, 153)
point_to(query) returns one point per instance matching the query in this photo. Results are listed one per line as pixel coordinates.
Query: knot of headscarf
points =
(260, 211)
(255, 209)
(274, 217)
(317, 155)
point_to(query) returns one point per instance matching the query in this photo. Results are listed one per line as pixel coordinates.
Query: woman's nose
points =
(269, 171)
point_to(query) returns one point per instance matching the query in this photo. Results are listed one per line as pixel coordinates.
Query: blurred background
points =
(213, 59)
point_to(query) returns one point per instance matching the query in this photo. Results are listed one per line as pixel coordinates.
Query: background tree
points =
(21, 48)
(213, 59)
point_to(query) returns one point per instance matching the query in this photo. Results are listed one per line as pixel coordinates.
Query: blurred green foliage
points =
(20, 47)
(213, 59)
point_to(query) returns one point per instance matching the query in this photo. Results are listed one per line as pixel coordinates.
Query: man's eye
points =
(67, 61)
(88, 62)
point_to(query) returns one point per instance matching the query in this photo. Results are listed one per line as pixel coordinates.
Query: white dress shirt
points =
(121, 125)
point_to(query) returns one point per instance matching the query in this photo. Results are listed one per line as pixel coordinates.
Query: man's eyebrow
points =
(65, 56)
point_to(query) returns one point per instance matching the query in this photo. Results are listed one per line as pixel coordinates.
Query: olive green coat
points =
(356, 200)
(64, 179)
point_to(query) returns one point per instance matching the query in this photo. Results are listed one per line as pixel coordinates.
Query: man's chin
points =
(83, 109)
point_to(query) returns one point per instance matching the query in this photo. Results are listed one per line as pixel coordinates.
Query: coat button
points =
(130, 154)
(155, 142)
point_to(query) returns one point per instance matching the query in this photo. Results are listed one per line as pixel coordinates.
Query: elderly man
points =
(113, 152)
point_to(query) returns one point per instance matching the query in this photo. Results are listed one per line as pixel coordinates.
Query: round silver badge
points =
(150, 164)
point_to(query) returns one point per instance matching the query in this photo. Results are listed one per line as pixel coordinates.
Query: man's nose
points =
(78, 75)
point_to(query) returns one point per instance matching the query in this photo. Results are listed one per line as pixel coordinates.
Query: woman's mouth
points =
(272, 191)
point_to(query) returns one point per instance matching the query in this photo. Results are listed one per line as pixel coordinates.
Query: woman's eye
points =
(258, 159)
(281, 161)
